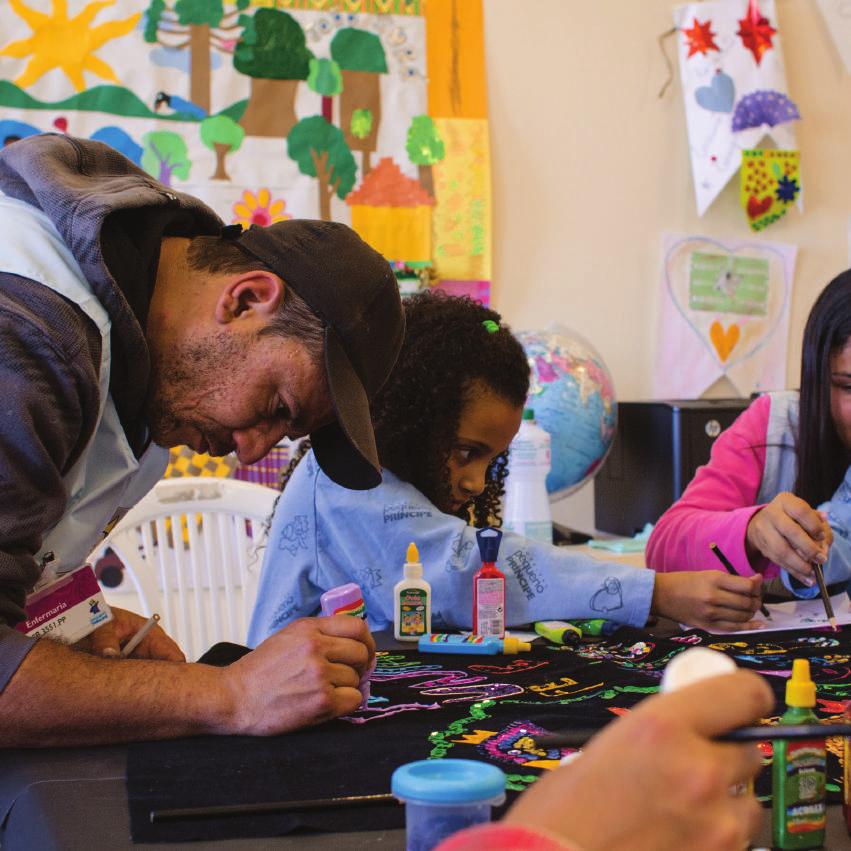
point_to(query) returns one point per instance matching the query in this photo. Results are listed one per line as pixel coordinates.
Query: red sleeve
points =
(718, 503)
(499, 836)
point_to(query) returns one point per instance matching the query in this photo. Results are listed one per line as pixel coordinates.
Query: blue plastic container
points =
(443, 796)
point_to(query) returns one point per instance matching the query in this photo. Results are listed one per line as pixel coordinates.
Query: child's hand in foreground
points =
(655, 780)
(708, 599)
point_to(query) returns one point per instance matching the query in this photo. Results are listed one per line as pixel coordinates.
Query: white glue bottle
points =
(526, 508)
(411, 600)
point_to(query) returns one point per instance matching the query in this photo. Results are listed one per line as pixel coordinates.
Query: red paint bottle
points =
(489, 587)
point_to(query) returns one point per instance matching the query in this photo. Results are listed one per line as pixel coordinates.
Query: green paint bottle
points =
(798, 771)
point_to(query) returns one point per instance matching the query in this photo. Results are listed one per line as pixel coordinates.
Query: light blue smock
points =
(323, 535)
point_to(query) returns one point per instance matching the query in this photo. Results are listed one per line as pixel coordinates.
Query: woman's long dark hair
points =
(452, 347)
(822, 458)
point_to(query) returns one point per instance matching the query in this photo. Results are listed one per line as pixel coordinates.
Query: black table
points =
(74, 799)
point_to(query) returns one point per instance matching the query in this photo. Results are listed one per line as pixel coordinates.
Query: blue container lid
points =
(448, 781)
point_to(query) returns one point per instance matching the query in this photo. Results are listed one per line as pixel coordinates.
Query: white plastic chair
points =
(204, 588)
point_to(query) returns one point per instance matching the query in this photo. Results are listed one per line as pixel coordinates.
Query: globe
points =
(572, 394)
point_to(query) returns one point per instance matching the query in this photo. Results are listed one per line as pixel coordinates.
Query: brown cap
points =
(353, 290)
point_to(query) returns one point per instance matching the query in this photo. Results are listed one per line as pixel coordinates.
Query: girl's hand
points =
(791, 534)
(708, 599)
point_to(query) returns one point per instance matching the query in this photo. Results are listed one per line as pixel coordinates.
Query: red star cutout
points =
(700, 37)
(755, 32)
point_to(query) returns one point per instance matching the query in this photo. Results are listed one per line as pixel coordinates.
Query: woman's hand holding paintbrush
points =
(788, 532)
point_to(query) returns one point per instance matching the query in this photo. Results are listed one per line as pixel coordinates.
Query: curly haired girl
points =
(443, 424)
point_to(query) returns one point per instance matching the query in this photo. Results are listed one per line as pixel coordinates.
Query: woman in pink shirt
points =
(774, 495)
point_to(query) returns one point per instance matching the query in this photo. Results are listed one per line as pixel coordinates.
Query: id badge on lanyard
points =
(68, 609)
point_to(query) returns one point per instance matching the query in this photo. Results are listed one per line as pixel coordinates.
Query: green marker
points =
(596, 626)
(798, 771)
(559, 632)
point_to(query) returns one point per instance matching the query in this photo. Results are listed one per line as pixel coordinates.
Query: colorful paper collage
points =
(770, 182)
(734, 87)
(724, 311)
(362, 111)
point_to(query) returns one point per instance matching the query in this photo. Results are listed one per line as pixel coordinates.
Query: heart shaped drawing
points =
(727, 328)
(757, 208)
(719, 95)
(724, 341)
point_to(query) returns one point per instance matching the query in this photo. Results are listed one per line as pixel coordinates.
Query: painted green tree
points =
(425, 148)
(198, 26)
(320, 150)
(325, 79)
(361, 58)
(165, 156)
(361, 124)
(272, 51)
(223, 136)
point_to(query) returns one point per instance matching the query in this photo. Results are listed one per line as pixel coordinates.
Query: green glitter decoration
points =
(440, 739)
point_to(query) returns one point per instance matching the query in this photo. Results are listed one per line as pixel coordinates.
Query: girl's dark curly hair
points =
(453, 348)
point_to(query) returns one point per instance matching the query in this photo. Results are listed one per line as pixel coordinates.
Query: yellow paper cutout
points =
(462, 217)
(392, 213)
(455, 51)
(724, 341)
(770, 181)
(362, 7)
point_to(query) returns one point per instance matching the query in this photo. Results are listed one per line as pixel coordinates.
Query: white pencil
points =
(137, 639)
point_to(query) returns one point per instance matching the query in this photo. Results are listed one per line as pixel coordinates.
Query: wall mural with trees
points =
(370, 112)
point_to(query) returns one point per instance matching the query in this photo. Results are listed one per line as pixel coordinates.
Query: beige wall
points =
(590, 167)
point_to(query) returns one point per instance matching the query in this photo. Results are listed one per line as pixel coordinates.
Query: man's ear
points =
(256, 294)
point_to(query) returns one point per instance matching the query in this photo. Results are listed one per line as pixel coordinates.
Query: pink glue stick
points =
(348, 600)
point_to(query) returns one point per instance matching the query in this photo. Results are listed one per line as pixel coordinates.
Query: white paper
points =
(800, 614)
(695, 333)
(714, 83)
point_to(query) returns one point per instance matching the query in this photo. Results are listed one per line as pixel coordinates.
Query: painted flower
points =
(259, 209)
(787, 189)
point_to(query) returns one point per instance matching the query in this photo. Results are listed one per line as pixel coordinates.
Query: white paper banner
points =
(734, 88)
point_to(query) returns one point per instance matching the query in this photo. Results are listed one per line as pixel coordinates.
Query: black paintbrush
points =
(270, 807)
(825, 597)
(760, 733)
(733, 572)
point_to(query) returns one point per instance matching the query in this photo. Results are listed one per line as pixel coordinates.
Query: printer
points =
(657, 449)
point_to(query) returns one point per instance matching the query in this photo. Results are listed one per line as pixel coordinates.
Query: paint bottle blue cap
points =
(489, 540)
(448, 781)
(443, 796)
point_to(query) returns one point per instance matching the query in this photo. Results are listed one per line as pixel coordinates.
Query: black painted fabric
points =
(472, 707)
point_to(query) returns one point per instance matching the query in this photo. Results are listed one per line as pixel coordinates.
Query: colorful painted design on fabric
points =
(259, 209)
(68, 44)
(515, 745)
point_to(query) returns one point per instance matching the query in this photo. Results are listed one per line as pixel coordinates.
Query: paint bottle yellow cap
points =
(800, 689)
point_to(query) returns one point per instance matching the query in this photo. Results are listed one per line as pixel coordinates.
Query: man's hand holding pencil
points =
(112, 638)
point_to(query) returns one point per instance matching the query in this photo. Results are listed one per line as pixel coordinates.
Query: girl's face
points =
(840, 392)
(486, 427)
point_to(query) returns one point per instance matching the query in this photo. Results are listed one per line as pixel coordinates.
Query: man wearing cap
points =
(132, 320)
